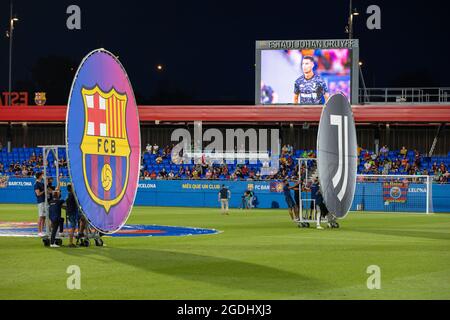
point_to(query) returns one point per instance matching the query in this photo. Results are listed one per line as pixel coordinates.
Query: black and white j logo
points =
(342, 170)
(336, 155)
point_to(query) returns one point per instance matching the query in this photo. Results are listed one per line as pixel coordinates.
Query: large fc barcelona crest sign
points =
(103, 141)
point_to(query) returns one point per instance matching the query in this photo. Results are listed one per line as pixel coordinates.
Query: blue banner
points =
(204, 193)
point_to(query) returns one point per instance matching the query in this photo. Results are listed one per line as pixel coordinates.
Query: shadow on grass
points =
(435, 235)
(221, 271)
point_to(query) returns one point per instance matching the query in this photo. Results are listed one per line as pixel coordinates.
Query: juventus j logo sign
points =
(336, 120)
(337, 155)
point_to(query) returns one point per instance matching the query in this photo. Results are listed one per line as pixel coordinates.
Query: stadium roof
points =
(419, 113)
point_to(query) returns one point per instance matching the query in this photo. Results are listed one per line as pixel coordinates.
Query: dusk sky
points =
(207, 48)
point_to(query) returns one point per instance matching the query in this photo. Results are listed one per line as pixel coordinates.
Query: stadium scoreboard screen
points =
(306, 72)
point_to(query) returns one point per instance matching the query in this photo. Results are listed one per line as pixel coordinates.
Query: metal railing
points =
(404, 95)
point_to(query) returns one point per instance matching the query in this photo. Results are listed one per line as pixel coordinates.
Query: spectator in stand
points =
(404, 162)
(434, 168)
(367, 166)
(167, 150)
(289, 162)
(238, 173)
(148, 148)
(387, 166)
(180, 171)
(446, 177)
(403, 151)
(442, 168)
(163, 173)
(155, 149)
(225, 169)
(208, 174)
(417, 159)
(384, 150)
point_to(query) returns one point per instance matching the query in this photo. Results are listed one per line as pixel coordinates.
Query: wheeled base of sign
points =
(303, 225)
(310, 219)
(84, 240)
(306, 223)
(46, 241)
(333, 225)
(331, 222)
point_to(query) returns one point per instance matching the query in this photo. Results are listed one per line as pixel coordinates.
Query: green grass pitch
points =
(260, 254)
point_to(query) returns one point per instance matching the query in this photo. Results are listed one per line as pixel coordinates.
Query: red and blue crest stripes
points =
(118, 165)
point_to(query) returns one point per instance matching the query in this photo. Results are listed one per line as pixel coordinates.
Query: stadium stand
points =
(157, 164)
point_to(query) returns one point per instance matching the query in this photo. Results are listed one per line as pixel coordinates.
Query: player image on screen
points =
(268, 95)
(316, 73)
(310, 88)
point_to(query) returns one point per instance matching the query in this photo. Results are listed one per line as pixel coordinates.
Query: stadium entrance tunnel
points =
(29, 229)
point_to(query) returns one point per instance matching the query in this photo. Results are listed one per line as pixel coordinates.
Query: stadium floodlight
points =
(353, 12)
(10, 36)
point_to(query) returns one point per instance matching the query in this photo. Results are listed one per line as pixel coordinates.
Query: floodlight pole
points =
(350, 21)
(10, 34)
(365, 96)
